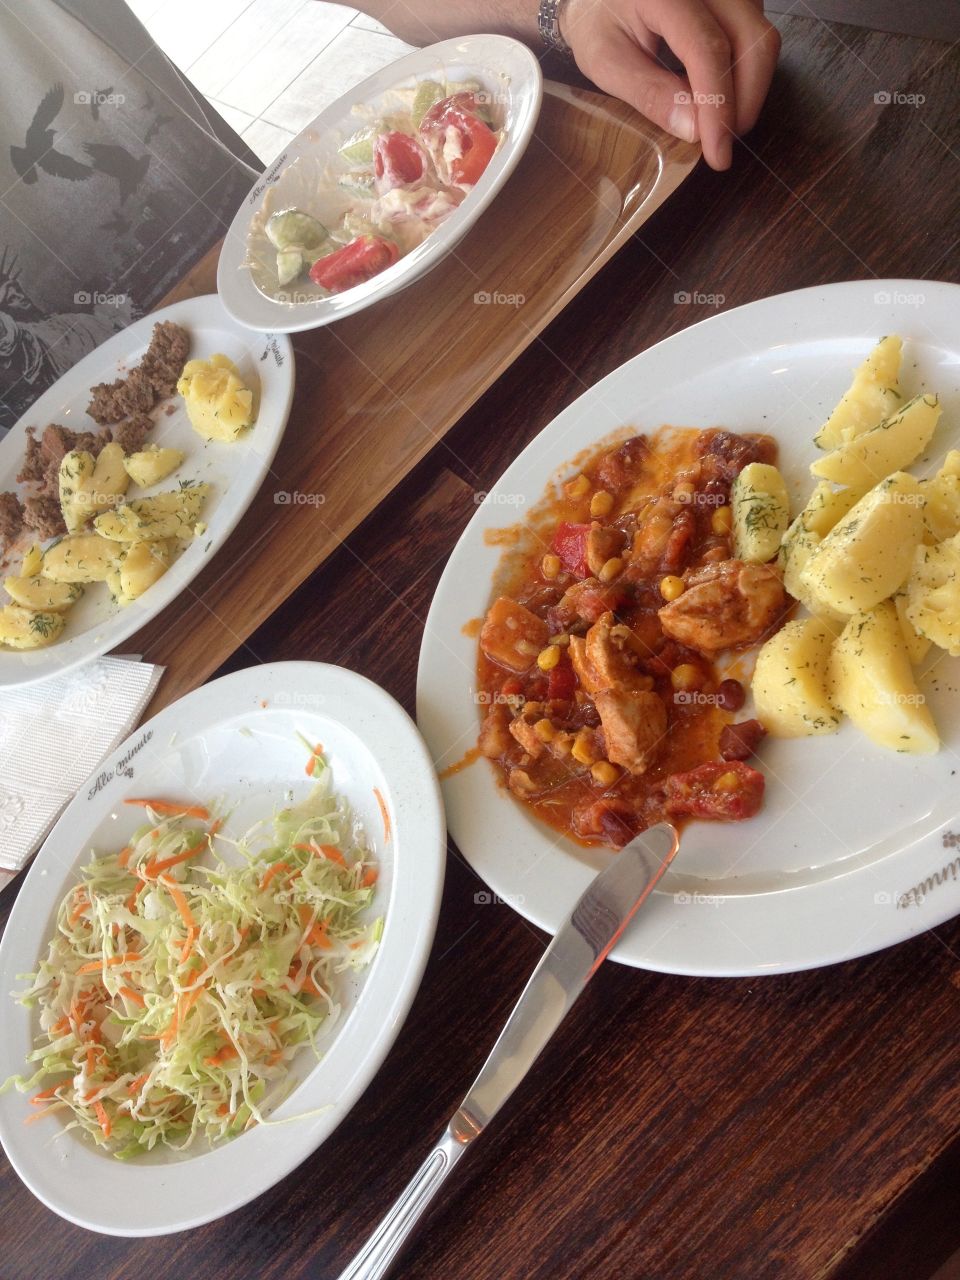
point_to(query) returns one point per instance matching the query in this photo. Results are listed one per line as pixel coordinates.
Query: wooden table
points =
(802, 1127)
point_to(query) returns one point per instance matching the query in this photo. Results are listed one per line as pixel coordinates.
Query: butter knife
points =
(578, 949)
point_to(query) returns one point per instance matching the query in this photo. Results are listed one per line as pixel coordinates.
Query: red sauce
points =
(586, 573)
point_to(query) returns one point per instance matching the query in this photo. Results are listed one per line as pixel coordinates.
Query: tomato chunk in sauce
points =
(605, 709)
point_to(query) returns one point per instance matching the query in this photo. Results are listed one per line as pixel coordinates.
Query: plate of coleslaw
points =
(216, 947)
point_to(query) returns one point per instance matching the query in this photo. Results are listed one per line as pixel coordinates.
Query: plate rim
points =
(199, 310)
(301, 317)
(425, 823)
(786, 317)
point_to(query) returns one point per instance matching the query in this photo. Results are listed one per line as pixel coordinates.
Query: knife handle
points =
(380, 1252)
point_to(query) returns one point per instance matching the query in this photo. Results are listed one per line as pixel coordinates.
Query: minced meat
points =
(43, 514)
(11, 518)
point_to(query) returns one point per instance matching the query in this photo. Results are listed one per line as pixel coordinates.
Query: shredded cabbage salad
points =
(173, 995)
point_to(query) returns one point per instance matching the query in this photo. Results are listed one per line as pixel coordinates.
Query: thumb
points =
(617, 65)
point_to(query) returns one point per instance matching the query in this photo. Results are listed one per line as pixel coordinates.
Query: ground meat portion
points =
(11, 518)
(34, 463)
(740, 741)
(624, 465)
(114, 401)
(42, 513)
(130, 435)
(166, 356)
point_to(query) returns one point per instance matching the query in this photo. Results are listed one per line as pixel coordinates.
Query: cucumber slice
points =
(428, 93)
(289, 265)
(359, 148)
(294, 229)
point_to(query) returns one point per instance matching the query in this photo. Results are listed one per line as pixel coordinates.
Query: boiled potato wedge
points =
(918, 646)
(219, 404)
(152, 465)
(941, 514)
(140, 568)
(22, 628)
(41, 593)
(761, 512)
(827, 506)
(791, 681)
(80, 557)
(872, 683)
(933, 594)
(166, 515)
(868, 555)
(873, 395)
(893, 444)
(88, 486)
(796, 549)
(31, 562)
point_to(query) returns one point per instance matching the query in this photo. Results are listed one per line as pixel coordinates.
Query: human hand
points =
(727, 47)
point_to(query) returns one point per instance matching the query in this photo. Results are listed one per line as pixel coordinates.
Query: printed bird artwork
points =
(155, 128)
(117, 162)
(99, 96)
(38, 151)
(118, 224)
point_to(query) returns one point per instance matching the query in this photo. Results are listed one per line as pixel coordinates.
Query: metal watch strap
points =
(548, 20)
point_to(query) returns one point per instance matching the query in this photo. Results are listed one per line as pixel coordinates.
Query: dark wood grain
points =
(677, 1129)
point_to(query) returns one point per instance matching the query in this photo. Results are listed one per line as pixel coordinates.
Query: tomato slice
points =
(570, 544)
(398, 160)
(475, 140)
(722, 790)
(360, 260)
(562, 682)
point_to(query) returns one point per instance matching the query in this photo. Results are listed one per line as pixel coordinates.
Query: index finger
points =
(702, 45)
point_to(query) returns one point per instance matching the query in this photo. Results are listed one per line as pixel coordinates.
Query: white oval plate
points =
(502, 65)
(222, 744)
(236, 470)
(855, 846)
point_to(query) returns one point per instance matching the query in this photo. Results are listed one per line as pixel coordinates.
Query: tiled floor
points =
(268, 66)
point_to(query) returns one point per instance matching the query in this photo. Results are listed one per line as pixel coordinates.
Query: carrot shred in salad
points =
(174, 994)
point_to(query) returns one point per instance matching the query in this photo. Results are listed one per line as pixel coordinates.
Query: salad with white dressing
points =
(396, 179)
(174, 994)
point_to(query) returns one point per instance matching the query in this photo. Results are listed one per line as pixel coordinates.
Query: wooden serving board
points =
(375, 392)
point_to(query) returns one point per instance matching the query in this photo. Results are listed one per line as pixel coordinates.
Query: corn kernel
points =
(601, 504)
(727, 782)
(578, 488)
(721, 521)
(562, 639)
(562, 744)
(610, 569)
(550, 566)
(604, 773)
(581, 749)
(548, 658)
(684, 491)
(544, 730)
(685, 676)
(671, 587)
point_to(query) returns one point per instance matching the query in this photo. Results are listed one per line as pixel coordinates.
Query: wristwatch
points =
(548, 20)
